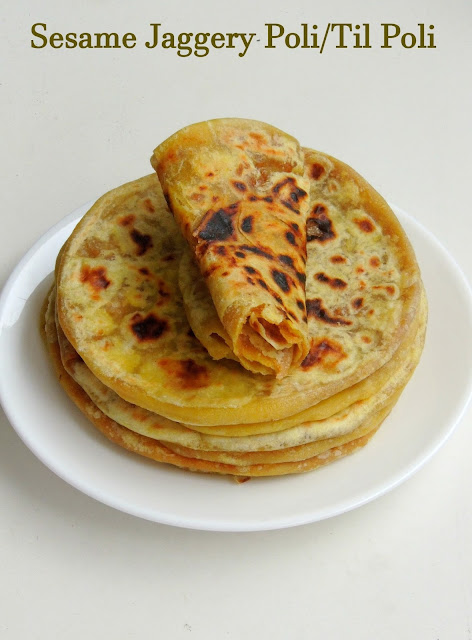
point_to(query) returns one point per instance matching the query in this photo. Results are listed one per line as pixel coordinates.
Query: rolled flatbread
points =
(239, 194)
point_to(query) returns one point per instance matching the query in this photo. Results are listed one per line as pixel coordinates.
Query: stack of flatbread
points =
(252, 308)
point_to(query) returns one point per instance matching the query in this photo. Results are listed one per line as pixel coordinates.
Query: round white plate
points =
(59, 435)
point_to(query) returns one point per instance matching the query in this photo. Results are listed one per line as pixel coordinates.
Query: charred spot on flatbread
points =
(250, 270)
(374, 262)
(281, 280)
(217, 225)
(143, 241)
(291, 238)
(258, 251)
(148, 327)
(334, 283)
(125, 221)
(301, 277)
(316, 170)
(208, 272)
(365, 225)
(319, 227)
(315, 309)
(95, 277)
(148, 205)
(289, 193)
(247, 223)
(324, 352)
(263, 284)
(185, 374)
(287, 260)
(389, 289)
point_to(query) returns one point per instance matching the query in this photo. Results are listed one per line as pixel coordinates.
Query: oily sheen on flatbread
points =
(349, 420)
(121, 308)
(296, 460)
(143, 421)
(237, 187)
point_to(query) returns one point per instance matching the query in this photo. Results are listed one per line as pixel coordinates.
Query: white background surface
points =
(77, 123)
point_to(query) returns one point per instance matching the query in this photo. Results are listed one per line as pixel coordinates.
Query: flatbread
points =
(237, 189)
(290, 454)
(200, 306)
(149, 424)
(348, 266)
(158, 451)
(121, 308)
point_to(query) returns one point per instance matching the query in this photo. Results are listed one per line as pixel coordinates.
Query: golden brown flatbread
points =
(239, 195)
(347, 420)
(120, 306)
(192, 460)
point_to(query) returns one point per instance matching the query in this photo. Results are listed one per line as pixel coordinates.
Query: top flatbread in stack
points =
(135, 309)
(239, 187)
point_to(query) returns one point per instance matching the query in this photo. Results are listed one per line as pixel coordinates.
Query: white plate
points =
(60, 436)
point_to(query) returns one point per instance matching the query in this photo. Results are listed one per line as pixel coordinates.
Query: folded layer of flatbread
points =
(238, 190)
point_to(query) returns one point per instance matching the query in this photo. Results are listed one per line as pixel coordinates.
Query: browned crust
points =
(156, 451)
(377, 207)
(262, 189)
(264, 408)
